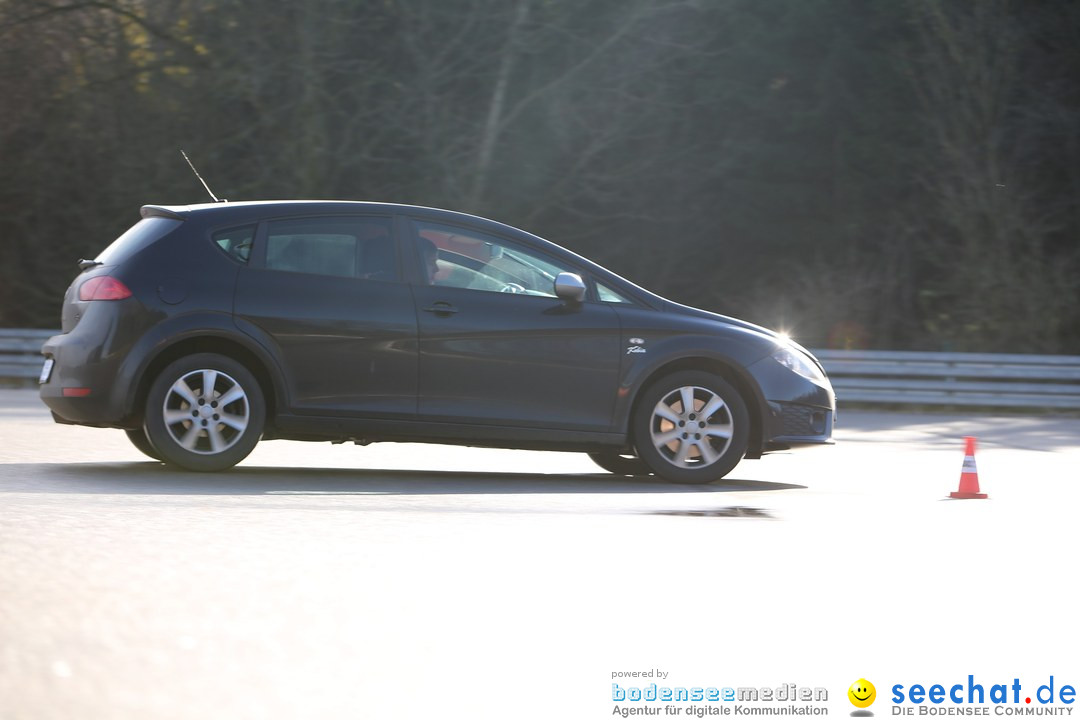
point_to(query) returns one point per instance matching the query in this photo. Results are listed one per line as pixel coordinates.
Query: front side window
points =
(346, 247)
(454, 257)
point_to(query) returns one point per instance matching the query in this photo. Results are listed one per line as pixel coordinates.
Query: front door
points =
(497, 346)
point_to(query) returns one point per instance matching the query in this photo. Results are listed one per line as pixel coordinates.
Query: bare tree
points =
(987, 229)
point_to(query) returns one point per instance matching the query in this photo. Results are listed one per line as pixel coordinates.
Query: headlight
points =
(798, 363)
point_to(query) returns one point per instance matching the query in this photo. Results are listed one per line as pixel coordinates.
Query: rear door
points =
(327, 292)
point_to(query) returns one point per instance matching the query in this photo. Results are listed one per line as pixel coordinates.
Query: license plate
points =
(46, 371)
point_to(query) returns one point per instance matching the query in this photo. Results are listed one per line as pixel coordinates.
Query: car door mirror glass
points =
(569, 287)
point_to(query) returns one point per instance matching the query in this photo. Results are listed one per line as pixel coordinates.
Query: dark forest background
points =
(902, 174)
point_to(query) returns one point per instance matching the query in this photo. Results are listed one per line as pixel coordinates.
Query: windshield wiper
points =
(87, 264)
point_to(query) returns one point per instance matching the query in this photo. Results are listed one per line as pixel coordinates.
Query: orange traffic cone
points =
(969, 475)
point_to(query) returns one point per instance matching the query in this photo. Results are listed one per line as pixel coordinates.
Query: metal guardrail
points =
(959, 379)
(20, 353)
(859, 376)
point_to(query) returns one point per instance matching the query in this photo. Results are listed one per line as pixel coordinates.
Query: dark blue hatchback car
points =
(205, 328)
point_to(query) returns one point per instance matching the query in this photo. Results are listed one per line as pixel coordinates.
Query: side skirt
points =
(364, 431)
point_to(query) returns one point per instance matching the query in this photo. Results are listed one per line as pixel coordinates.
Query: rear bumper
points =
(80, 388)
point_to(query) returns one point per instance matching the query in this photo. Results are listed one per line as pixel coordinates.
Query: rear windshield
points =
(140, 235)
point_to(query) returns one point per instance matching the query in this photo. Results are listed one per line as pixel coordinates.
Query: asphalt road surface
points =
(412, 581)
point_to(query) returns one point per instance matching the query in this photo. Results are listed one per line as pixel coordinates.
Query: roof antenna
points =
(192, 166)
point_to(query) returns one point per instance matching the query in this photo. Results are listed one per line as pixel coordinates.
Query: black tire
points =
(618, 464)
(142, 443)
(679, 443)
(224, 424)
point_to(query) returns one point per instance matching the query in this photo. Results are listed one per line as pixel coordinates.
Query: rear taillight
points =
(103, 287)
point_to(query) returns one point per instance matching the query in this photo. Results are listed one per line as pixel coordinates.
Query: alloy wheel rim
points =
(691, 427)
(206, 411)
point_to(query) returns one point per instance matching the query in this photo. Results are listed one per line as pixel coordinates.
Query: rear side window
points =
(348, 247)
(139, 236)
(236, 242)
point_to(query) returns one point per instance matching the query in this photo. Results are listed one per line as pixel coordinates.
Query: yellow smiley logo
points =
(862, 693)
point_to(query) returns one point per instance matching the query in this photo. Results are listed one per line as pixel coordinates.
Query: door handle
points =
(441, 308)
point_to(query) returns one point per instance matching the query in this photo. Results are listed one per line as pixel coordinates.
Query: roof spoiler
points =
(160, 211)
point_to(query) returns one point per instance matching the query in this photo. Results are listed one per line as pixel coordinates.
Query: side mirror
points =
(569, 287)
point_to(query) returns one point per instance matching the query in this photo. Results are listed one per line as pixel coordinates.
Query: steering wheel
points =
(512, 288)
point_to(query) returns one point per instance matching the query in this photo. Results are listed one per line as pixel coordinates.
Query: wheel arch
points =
(726, 369)
(209, 343)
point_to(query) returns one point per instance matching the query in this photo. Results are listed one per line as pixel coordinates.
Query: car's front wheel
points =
(205, 412)
(691, 427)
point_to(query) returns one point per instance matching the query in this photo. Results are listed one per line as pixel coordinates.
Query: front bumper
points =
(798, 411)
(794, 424)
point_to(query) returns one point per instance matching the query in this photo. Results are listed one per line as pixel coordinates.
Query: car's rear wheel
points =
(691, 427)
(613, 462)
(142, 443)
(205, 412)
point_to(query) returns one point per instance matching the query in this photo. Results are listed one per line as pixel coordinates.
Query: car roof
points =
(255, 207)
(254, 210)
